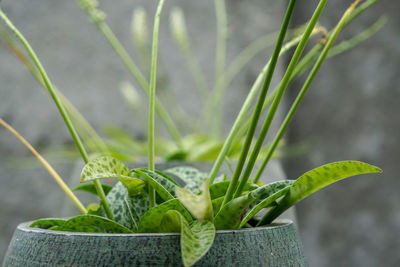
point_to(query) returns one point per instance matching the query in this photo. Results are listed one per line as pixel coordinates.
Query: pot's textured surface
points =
(277, 245)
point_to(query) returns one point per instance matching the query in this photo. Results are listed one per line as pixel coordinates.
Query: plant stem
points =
(59, 105)
(48, 167)
(152, 97)
(305, 88)
(220, 54)
(283, 85)
(239, 128)
(260, 102)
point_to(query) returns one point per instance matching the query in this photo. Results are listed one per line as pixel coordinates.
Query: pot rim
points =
(281, 223)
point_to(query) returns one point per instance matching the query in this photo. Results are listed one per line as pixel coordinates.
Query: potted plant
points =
(220, 219)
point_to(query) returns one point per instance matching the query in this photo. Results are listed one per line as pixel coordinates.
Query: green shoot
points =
(305, 88)
(152, 96)
(263, 93)
(283, 85)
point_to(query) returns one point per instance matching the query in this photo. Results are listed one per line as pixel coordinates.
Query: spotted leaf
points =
(197, 237)
(317, 179)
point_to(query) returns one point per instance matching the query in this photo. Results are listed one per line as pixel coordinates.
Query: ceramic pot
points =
(275, 245)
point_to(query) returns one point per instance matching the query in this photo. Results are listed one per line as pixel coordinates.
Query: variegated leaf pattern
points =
(275, 192)
(197, 237)
(192, 177)
(317, 179)
(164, 187)
(111, 168)
(76, 224)
(127, 210)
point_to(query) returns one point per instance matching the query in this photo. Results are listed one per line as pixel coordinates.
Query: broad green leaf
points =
(317, 179)
(197, 237)
(232, 213)
(192, 177)
(110, 168)
(164, 187)
(219, 189)
(93, 221)
(104, 168)
(127, 210)
(198, 205)
(269, 200)
(151, 220)
(90, 188)
(47, 223)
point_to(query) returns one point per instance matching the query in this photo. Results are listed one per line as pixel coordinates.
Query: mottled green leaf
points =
(197, 237)
(192, 177)
(317, 179)
(164, 187)
(111, 168)
(151, 220)
(47, 223)
(263, 192)
(104, 168)
(75, 224)
(232, 213)
(198, 205)
(127, 210)
(167, 177)
(90, 188)
(274, 191)
(219, 189)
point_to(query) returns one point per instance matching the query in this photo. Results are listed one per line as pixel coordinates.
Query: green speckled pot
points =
(277, 245)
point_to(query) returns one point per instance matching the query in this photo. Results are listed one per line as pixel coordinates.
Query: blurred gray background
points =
(349, 113)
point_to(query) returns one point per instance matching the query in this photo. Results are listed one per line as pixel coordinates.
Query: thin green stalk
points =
(48, 167)
(220, 56)
(283, 85)
(304, 89)
(237, 129)
(59, 105)
(98, 18)
(260, 102)
(279, 209)
(152, 97)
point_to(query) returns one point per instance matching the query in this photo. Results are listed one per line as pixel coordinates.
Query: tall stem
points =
(305, 88)
(64, 115)
(283, 85)
(260, 102)
(152, 97)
